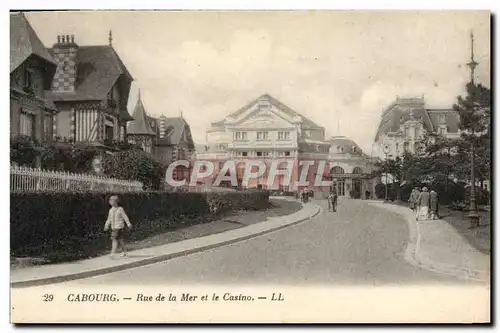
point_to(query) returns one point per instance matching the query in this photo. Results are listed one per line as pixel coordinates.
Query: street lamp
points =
(386, 152)
(473, 215)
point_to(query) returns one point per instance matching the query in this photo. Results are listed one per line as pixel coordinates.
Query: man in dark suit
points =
(332, 199)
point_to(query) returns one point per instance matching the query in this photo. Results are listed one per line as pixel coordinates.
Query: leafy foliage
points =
(41, 221)
(444, 164)
(23, 150)
(135, 164)
(475, 121)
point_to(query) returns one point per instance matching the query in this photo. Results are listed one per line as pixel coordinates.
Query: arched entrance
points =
(356, 183)
(337, 175)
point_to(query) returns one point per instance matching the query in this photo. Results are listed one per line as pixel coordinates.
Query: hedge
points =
(48, 219)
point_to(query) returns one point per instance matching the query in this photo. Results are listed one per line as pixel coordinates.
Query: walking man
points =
(434, 205)
(332, 199)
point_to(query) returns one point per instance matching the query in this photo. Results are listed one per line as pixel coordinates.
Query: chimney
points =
(163, 124)
(65, 52)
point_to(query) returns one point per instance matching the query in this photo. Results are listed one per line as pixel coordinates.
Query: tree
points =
(137, 165)
(475, 122)
(439, 158)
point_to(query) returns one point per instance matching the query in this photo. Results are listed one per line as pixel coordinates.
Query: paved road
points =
(359, 244)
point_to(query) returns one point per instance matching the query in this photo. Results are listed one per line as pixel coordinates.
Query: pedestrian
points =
(117, 218)
(412, 201)
(434, 205)
(416, 196)
(423, 204)
(332, 199)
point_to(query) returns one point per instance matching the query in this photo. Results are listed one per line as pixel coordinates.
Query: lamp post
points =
(473, 215)
(386, 152)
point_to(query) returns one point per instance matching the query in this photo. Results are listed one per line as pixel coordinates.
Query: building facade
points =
(405, 122)
(32, 70)
(90, 89)
(168, 139)
(268, 130)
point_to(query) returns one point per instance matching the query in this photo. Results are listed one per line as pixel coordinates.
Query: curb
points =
(149, 261)
(413, 256)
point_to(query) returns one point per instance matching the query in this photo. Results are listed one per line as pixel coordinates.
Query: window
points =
(441, 130)
(397, 148)
(47, 126)
(283, 135)
(169, 131)
(287, 153)
(262, 135)
(407, 146)
(222, 146)
(442, 119)
(240, 136)
(244, 153)
(354, 149)
(262, 153)
(357, 170)
(307, 133)
(109, 133)
(337, 170)
(27, 124)
(259, 153)
(338, 149)
(28, 78)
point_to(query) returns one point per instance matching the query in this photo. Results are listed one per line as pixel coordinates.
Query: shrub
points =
(50, 219)
(391, 191)
(135, 164)
(23, 150)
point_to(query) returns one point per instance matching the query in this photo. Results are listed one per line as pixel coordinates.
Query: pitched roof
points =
(175, 127)
(306, 122)
(452, 119)
(402, 110)
(98, 68)
(345, 145)
(24, 43)
(141, 123)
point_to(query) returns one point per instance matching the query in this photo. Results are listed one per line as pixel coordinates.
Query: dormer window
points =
(353, 149)
(442, 119)
(169, 131)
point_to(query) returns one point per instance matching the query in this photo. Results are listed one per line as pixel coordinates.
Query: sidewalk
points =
(479, 238)
(48, 274)
(436, 245)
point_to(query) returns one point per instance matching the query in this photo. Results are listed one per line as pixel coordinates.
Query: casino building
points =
(268, 130)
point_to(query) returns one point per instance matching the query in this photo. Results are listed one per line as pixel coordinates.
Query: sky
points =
(338, 68)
